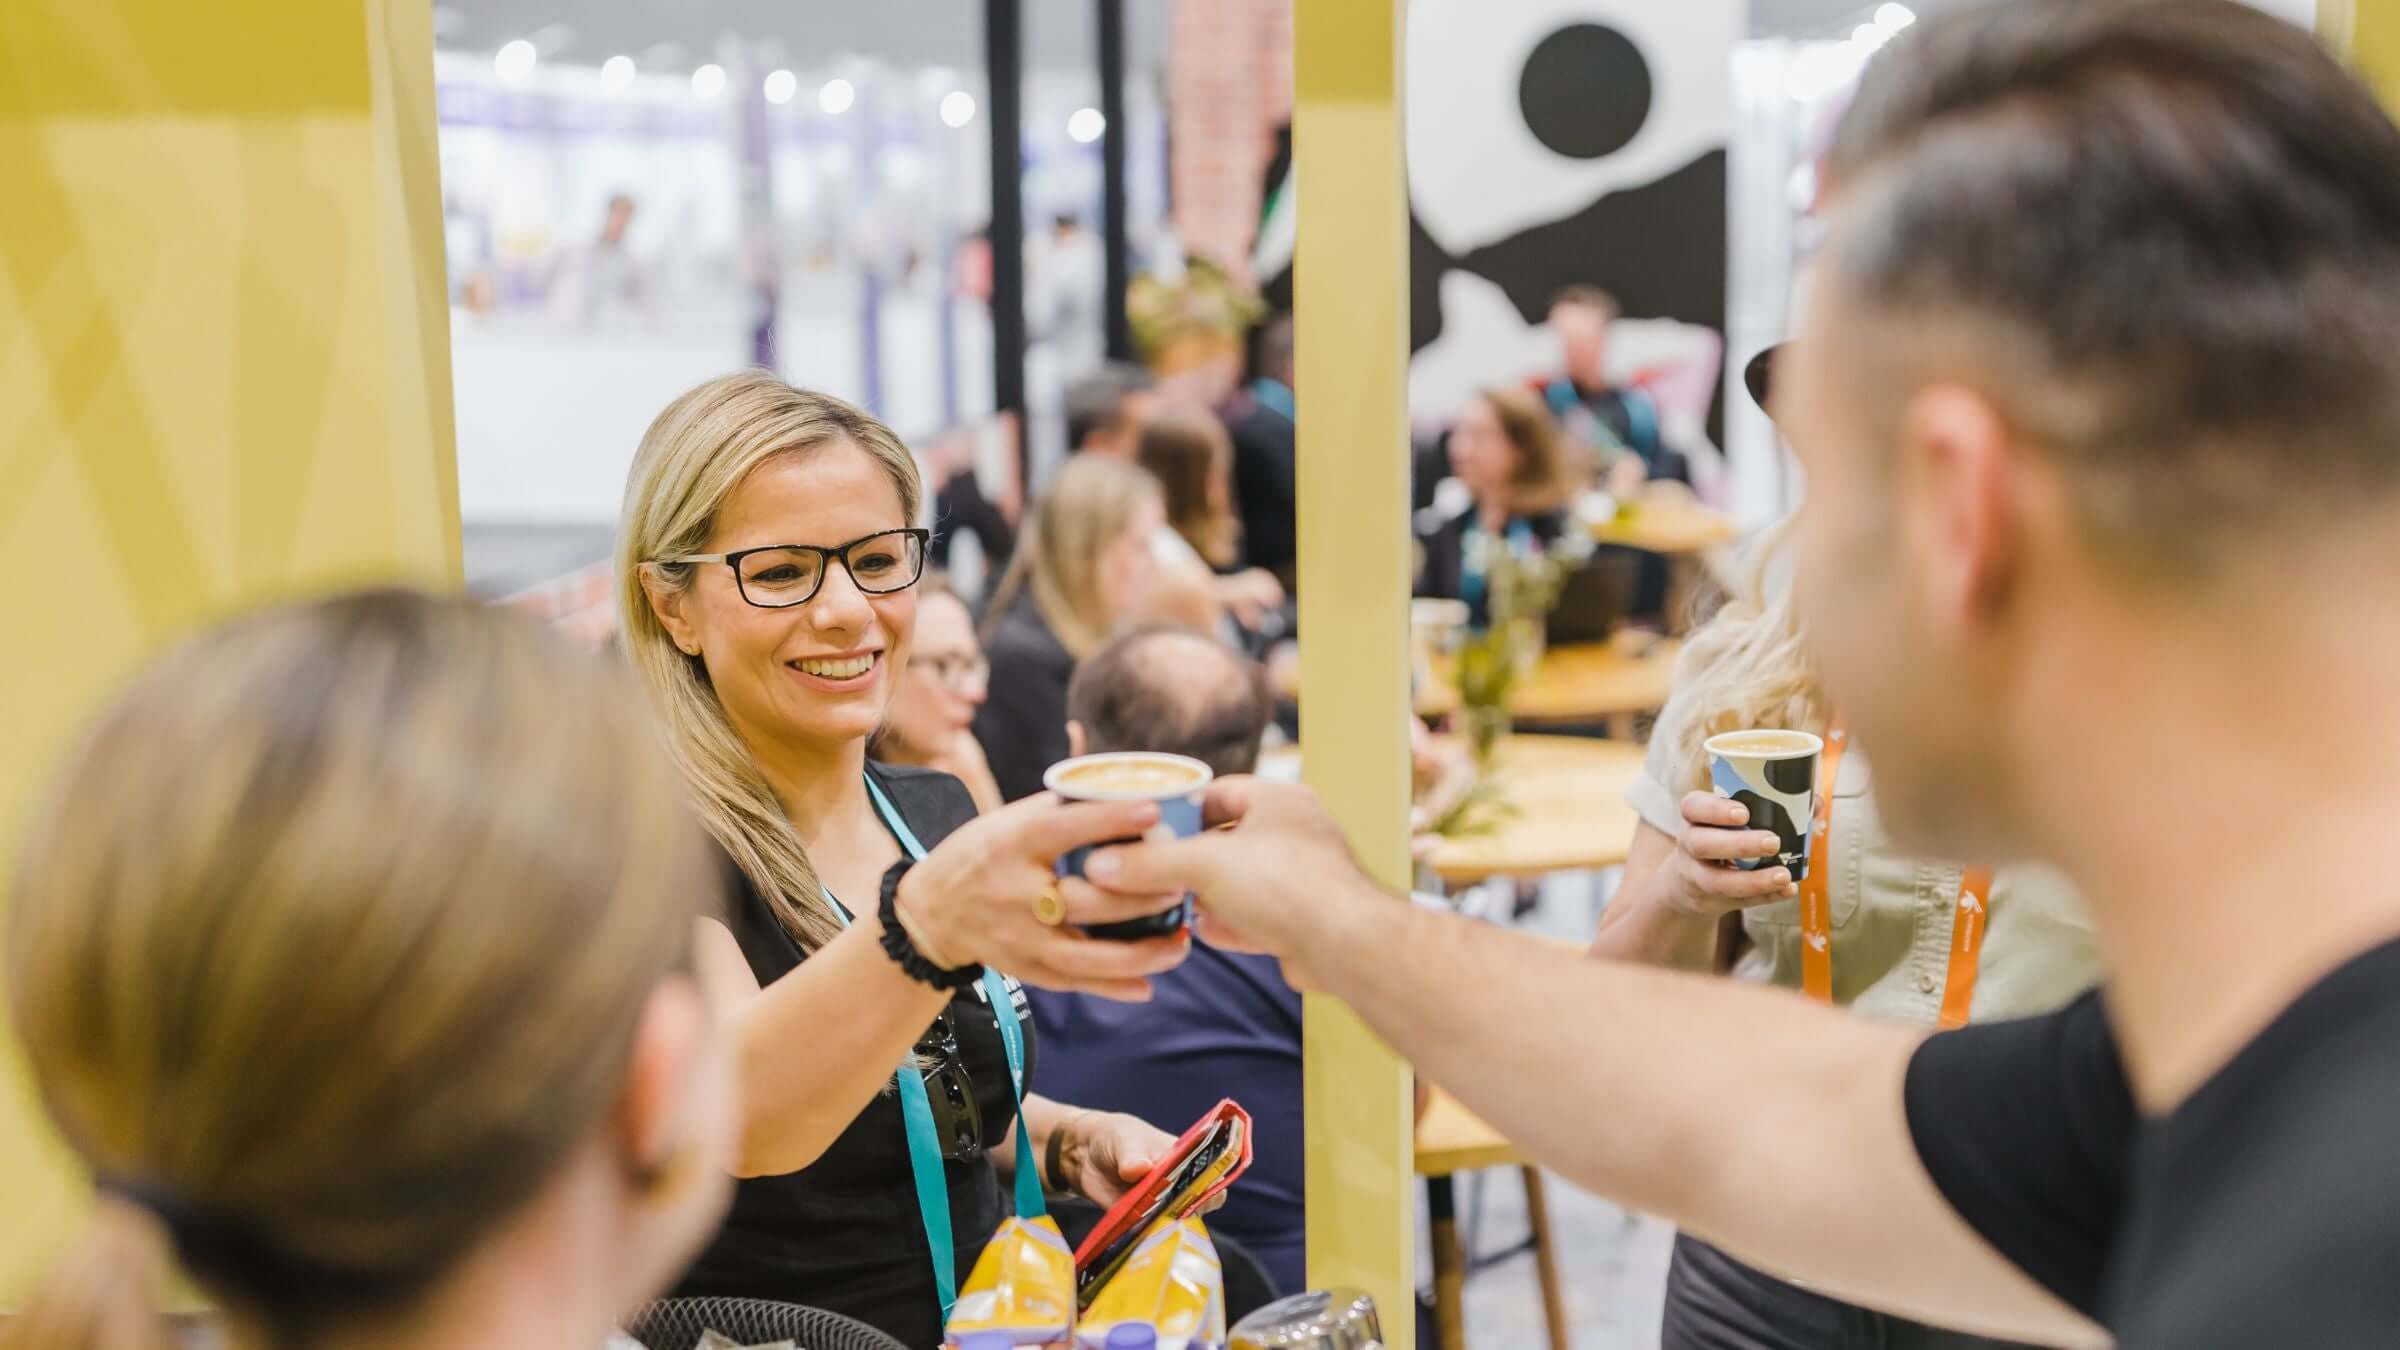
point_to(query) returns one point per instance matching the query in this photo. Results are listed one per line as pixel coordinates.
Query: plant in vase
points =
(1524, 586)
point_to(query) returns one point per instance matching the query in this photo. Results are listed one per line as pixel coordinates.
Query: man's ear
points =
(1075, 739)
(1966, 528)
(666, 601)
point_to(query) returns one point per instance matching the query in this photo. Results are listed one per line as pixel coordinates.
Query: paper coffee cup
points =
(1774, 773)
(1176, 782)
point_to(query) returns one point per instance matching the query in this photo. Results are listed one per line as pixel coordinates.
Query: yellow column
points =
(1351, 267)
(224, 367)
(2368, 32)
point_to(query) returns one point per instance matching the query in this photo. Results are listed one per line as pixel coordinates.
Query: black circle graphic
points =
(1585, 91)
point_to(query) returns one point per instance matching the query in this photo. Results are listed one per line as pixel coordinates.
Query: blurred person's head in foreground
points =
(935, 700)
(1582, 316)
(769, 663)
(1105, 410)
(1085, 554)
(1189, 453)
(288, 953)
(2097, 389)
(1171, 691)
(1506, 448)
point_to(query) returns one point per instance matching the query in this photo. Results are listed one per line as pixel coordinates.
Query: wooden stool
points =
(1450, 1140)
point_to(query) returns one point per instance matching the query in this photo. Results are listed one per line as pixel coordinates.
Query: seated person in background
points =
(265, 991)
(1508, 453)
(931, 723)
(1106, 409)
(1086, 566)
(1190, 455)
(1615, 426)
(1265, 433)
(1223, 1024)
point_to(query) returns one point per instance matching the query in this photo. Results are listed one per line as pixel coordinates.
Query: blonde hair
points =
(1067, 534)
(1743, 668)
(692, 458)
(1191, 456)
(329, 946)
(1546, 469)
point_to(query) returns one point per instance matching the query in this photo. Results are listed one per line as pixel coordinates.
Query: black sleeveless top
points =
(845, 1233)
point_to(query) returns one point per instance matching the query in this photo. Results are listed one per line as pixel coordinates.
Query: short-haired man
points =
(1105, 409)
(2098, 389)
(1617, 424)
(1224, 1024)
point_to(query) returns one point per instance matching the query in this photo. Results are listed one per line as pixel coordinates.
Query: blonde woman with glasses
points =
(351, 952)
(769, 577)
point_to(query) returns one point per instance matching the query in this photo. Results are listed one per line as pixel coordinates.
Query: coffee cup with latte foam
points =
(1773, 772)
(1176, 782)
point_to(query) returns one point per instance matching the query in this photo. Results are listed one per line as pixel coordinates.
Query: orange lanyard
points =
(1968, 924)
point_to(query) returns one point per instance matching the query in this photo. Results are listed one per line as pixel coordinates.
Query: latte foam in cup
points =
(1176, 782)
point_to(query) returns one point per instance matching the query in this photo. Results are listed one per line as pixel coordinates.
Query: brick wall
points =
(1229, 87)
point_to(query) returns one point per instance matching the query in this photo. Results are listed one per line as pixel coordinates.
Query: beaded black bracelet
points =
(904, 952)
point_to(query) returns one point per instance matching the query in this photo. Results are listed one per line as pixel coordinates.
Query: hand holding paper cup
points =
(1773, 773)
(1177, 783)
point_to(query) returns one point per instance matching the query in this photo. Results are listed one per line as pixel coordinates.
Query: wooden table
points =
(1451, 1139)
(1607, 682)
(1571, 814)
(1656, 528)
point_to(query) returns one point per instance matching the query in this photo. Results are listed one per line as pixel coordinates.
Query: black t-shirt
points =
(2264, 1211)
(845, 1233)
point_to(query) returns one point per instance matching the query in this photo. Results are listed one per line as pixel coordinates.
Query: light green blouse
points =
(1892, 914)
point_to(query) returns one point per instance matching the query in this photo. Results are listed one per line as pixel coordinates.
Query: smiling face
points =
(813, 676)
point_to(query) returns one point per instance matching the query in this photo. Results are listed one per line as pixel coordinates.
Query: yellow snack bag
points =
(1022, 1288)
(1173, 1286)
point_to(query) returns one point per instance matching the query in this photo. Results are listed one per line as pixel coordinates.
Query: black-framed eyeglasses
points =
(950, 1090)
(779, 576)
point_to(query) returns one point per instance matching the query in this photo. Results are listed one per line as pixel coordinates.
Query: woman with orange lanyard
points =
(1906, 939)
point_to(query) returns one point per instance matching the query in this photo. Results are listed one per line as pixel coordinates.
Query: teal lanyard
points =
(916, 1106)
(1473, 565)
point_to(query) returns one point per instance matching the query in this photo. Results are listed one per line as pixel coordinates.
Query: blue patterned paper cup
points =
(1176, 782)
(1774, 773)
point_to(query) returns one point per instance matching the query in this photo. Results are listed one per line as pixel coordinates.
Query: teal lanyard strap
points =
(1474, 565)
(916, 1105)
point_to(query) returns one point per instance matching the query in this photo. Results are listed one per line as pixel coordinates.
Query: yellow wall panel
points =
(1351, 271)
(224, 366)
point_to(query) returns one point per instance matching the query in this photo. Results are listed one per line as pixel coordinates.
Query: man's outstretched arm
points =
(1762, 1122)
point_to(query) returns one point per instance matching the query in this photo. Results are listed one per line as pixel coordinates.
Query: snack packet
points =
(1173, 1286)
(1023, 1288)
